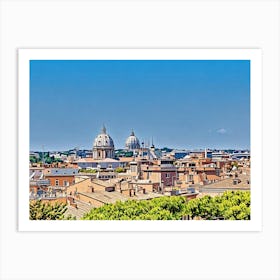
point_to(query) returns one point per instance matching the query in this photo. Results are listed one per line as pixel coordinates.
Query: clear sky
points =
(182, 104)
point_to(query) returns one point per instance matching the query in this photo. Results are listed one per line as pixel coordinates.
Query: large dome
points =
(103, 140)
(132, 142)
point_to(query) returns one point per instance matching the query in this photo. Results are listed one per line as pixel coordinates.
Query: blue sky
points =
(183, 104)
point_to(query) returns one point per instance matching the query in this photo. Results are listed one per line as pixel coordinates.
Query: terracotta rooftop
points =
(147, 195)
(213, 177)
(205, 169)
(85, 160)
(106, 197)
(96, 160)
(126, 159)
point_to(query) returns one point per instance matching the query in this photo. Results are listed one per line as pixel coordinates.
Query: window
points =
(167, 175)
(65, 183)
(56, 182)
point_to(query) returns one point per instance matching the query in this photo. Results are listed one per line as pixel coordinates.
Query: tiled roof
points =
(60, 171)
(96, 160)
(106, 197)
(213, 177)
(205, 169)
(148, 195)
(126, 159)
(85, 160)
(107, 160)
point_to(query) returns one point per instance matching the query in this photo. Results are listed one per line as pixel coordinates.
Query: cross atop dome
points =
(103, 130)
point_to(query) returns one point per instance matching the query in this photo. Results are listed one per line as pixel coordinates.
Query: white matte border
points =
(254, 55)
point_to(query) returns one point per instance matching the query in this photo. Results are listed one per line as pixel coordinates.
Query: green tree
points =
(48, 160)
(163, 208)
(119, 170)
(87, 170)
(231, 205)
(39, 210)
(33, 159)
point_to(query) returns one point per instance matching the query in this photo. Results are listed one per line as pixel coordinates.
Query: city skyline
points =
(184, 104)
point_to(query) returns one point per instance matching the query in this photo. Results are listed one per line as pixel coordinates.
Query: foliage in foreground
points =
(39, 210)
(164, 208)
(232, 205)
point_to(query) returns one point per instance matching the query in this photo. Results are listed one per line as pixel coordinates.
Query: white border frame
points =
(254, 55)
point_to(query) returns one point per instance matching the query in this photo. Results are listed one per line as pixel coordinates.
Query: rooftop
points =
(96, 160)
(106, 197)
(60, 171)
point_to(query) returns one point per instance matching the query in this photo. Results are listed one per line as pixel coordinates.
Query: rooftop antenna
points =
(43, 156)
(148, 149)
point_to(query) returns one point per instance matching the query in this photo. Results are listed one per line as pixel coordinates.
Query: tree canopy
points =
(83, 170)
(39, 210)
(164, 208)
(119, 170)
(231, 205)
